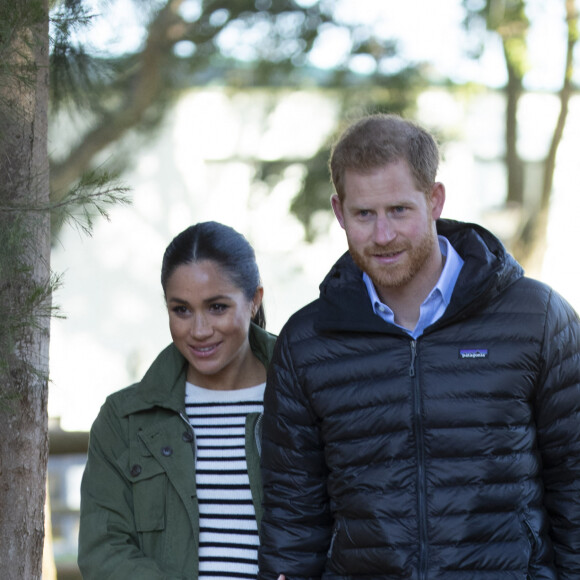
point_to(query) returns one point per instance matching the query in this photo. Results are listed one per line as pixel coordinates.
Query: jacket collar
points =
(487, 271)
(163, 385)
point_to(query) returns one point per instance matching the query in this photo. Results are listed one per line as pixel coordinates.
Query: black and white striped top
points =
(228, 540)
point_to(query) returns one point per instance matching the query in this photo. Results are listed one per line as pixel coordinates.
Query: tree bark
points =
(24, 285)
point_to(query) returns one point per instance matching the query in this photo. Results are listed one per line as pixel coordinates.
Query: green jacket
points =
(139, 511)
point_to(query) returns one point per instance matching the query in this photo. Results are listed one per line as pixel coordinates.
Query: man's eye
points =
(364, 213)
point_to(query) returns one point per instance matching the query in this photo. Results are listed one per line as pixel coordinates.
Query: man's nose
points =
(384, 233)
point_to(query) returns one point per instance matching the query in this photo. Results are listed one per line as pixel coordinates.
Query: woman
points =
(172, 485)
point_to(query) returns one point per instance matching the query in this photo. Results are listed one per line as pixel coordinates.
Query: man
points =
(422, 417)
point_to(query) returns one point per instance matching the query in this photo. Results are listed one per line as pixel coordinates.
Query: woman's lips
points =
(204, 351)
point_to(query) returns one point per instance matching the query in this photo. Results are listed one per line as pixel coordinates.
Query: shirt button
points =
(167, 451)
(135, 470)
(187, 436)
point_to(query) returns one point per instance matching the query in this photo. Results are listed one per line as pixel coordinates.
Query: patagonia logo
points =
(473, 353)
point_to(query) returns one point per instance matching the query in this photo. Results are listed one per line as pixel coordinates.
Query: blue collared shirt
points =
(435, 304)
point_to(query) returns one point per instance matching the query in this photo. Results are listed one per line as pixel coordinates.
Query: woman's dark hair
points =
(220, 244)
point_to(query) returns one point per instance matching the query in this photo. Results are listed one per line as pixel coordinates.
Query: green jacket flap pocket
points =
(149, 487)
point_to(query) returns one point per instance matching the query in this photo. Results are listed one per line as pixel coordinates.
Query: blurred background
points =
(226, 110)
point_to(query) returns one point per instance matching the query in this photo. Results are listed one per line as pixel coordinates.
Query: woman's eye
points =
(218, 308)
(179, 310)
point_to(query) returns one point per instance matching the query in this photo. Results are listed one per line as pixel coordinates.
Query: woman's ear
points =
(257, 300)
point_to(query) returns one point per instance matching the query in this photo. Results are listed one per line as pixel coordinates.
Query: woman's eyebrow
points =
(210, 299)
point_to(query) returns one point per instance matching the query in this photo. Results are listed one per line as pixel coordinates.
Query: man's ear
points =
(337, 208)
(437, 198)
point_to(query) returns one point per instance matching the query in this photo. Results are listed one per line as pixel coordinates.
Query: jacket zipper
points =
(413, 357)
(421, 486)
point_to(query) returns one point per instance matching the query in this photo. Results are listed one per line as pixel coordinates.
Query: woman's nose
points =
(200, 327)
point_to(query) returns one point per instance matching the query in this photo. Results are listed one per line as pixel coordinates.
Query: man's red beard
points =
(401, 273)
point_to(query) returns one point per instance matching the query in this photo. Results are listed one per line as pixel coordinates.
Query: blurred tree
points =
(311, 205)
(509, 20)
(249, 43)
(188, 43)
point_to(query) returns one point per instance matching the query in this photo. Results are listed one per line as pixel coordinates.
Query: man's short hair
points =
(377, 140)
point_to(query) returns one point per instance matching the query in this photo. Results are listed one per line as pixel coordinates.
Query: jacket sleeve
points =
(558, 424)
(296, 525)
(108, 538)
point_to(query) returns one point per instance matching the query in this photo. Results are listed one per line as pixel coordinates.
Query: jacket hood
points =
(488, 270)
(163, 385)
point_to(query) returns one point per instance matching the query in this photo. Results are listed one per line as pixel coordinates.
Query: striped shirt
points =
(228, 538)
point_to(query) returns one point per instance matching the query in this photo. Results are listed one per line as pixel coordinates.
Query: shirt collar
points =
(450, 272)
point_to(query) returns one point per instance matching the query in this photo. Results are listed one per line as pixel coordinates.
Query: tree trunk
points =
(530, 248)
(514, 164)
(24, 285)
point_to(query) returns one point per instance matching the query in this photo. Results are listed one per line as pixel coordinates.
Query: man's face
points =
(390, 227)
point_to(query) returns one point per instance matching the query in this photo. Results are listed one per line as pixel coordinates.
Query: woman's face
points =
(209, 319)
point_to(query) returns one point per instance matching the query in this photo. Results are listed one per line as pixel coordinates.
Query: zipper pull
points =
(413, 357)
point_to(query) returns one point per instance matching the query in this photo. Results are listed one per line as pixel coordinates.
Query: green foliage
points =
(91, 198)
(74, 74)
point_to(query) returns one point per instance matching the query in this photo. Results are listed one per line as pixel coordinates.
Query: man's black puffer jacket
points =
(455, 456)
